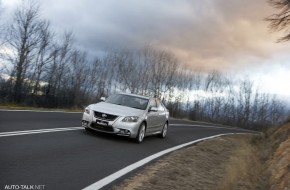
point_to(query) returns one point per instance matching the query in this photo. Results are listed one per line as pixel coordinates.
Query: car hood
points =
(116, 109)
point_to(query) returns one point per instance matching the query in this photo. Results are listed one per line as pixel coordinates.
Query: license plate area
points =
(102, 123)
(102, 126)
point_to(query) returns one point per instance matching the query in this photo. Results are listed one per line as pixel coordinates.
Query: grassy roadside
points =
(277, 143)
(246, 167)
(202, 166)
(225, 163)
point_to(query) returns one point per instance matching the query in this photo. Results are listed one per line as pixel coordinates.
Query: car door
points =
(162, 117)
(152, 117)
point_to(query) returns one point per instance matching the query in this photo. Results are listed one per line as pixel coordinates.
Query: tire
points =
(164, 131)
(85, 125)
(141, 133)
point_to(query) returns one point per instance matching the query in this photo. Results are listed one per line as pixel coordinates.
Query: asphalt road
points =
(75, 159)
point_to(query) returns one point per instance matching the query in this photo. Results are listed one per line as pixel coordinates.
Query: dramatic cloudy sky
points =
(226, 35)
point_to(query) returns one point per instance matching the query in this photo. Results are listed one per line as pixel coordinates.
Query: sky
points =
(225, 35)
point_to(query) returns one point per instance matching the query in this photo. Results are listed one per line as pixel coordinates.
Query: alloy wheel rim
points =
(165, 130)
(142, 132)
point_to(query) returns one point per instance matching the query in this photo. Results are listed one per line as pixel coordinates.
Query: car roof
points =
(137, 95)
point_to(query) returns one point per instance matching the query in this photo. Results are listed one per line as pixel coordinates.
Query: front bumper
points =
(118, 127)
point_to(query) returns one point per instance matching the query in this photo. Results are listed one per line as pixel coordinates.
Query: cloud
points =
(224, 35)
(219, 34)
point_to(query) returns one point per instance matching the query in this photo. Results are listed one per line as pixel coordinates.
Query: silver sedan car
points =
(130, 115)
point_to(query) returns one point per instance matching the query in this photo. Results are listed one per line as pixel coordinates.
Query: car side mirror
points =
(103, 99)
(153, 109)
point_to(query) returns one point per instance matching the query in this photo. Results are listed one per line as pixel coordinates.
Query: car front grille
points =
(102, 128)
(105, 116)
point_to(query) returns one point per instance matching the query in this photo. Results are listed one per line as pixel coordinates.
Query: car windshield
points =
(128, 101)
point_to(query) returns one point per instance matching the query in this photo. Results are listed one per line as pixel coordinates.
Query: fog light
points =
(124, 131)
(85, 123)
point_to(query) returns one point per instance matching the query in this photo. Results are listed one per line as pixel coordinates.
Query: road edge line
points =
(109, 179)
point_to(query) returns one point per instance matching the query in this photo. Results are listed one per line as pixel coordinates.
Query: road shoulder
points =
(213, 164)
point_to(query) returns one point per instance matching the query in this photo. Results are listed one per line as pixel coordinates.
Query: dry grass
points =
(264, 163)
(245, 170)
(279, 163)
(201, 166)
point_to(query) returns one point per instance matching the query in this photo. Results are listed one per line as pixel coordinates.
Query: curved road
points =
(75, 159)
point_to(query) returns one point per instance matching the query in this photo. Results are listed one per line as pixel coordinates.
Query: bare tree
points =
(43, 57)
(59, 67)
(244, 98)
(23, 37)
(78, 76)
(281, 20)
(128, 71)
(162, 72)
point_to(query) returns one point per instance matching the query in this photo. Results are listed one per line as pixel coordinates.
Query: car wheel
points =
(164, 131)
(141, 133)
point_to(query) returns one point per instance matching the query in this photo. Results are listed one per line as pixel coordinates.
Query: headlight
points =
(88, 110)
(130, 119)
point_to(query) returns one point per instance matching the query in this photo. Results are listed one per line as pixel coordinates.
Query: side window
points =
(152, 103)
(159, 106)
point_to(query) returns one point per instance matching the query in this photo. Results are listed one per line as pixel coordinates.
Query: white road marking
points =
(45, 111)
(14, 133)
(27, 132)
(109, 179)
